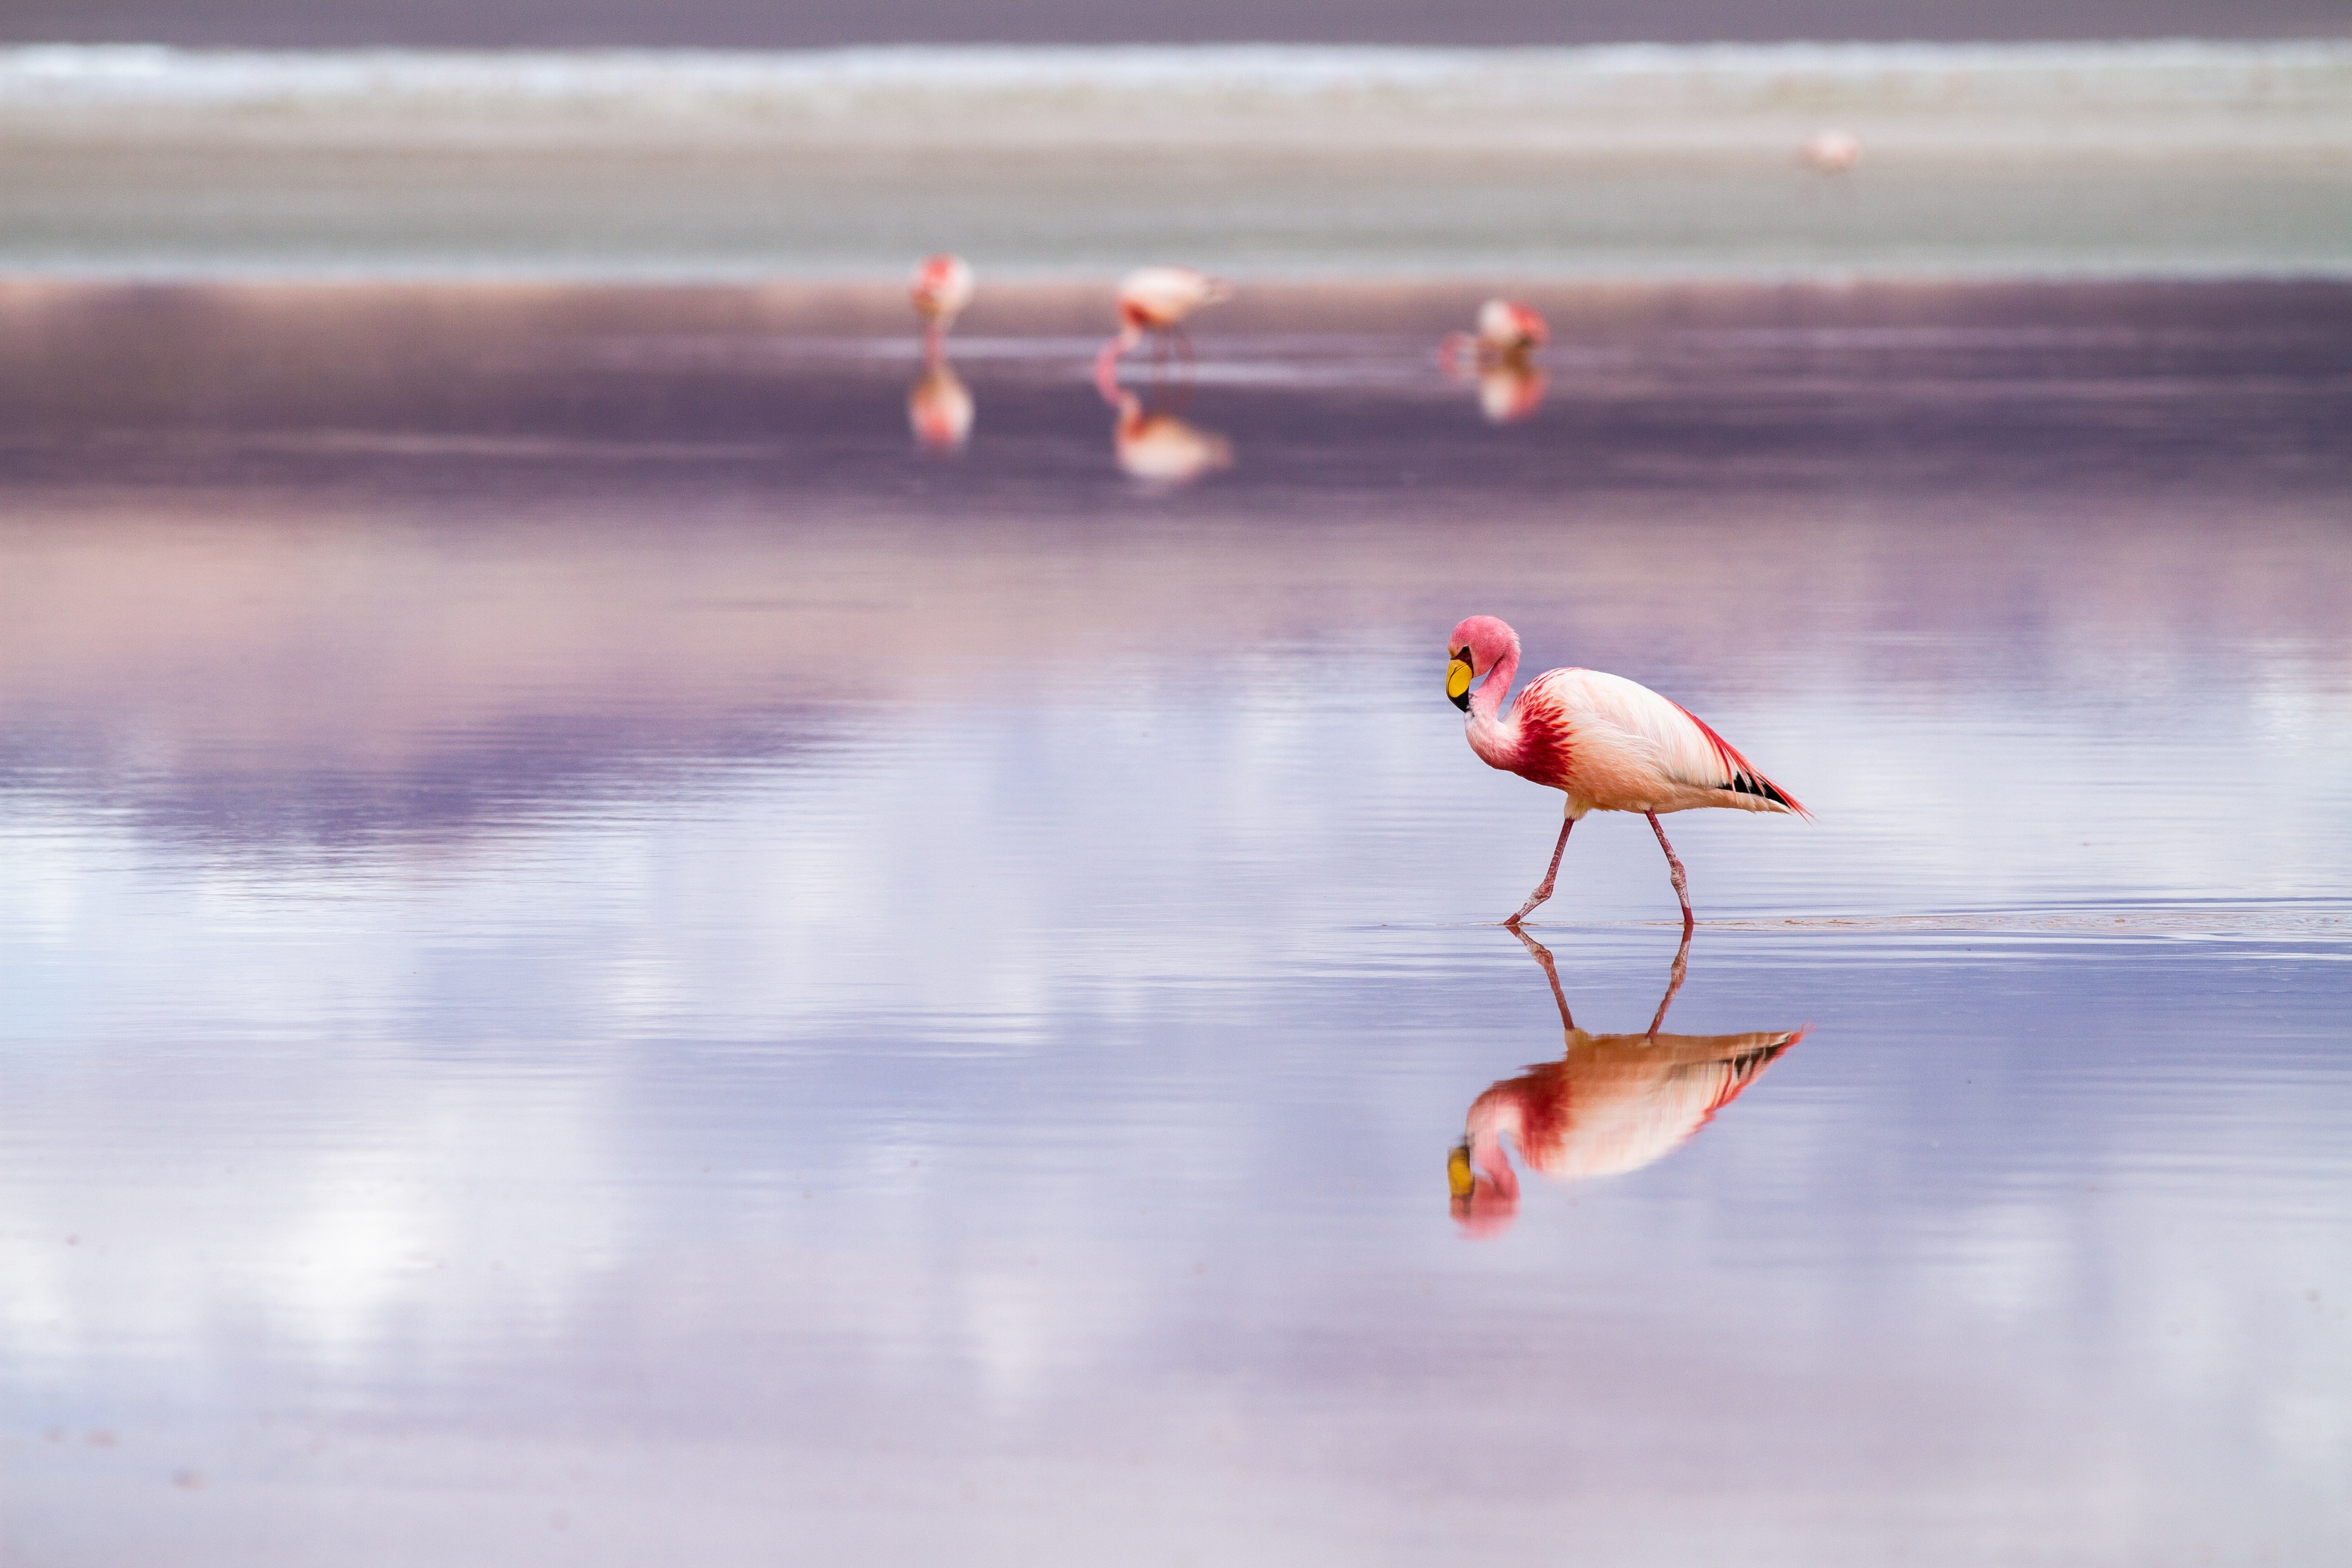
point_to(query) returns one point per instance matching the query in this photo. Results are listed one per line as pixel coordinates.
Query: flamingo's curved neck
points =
(1492, 736)
(1487, 1156)
(1486, 702)
(1107, 363)
(1491, 1116)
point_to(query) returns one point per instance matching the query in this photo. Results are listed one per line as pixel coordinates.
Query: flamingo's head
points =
(1484, 1200)
(941, 288)
(1477, 646)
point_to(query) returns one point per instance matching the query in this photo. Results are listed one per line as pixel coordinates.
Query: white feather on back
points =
(1620, 727)
(1168, 294)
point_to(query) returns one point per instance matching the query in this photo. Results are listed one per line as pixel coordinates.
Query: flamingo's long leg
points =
(1543, 889)
(1681, 884)
(1107, 369)
(1673, 983)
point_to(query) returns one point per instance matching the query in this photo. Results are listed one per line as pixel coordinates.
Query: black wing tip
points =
(1764, 788)
(1742, 784)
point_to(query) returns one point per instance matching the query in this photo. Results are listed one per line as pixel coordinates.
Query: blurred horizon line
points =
(2143, 159)
(541, 24)
(2184, 49)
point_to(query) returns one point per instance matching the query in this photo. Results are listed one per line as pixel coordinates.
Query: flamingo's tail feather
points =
(1744, 779)
(1756, 783)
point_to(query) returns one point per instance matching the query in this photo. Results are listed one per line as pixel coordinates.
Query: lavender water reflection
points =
(602, 963)
(1612, 1104)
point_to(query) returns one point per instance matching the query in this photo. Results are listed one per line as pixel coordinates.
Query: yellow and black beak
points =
(1457, 680)
(1458, 1178)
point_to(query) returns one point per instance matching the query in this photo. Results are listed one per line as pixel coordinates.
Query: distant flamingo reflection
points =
(1509, 391)
(940, 408)
(1161, 450)
(1612, 1104)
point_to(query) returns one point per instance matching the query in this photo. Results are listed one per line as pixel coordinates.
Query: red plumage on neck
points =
(1532, 738)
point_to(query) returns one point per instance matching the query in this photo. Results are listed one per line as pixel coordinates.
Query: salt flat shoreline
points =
(2106, 161)
(2154, 95)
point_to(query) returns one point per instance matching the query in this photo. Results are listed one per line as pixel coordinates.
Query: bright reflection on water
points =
(609, 962)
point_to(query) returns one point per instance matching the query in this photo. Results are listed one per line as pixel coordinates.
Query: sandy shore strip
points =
(2148, 159)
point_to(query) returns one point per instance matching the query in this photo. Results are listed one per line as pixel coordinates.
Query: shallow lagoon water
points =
(608, 960)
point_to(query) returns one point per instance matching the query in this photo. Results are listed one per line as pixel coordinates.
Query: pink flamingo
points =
(942, 287)
(1155, 299)
(1499, 356)
(1834, 152)
(1508, 333)
(1612, 1104)
(1606, 742)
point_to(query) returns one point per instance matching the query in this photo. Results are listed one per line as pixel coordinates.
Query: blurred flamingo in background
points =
(1499, 356)
(1606, 742)
(1506, 331)
(942, 287)
(1612, 1104)
(1832, 151)
(1155, 299)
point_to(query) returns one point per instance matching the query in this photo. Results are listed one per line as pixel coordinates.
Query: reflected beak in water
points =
(1458, 1178)
(1457, 680)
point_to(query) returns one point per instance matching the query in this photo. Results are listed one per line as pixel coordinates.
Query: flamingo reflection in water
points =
(1161, 450)
(1500, 357)
(1509, 391)
(1612, 1104)
(940, 408)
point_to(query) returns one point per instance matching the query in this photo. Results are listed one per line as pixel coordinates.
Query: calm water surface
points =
(608, 962)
